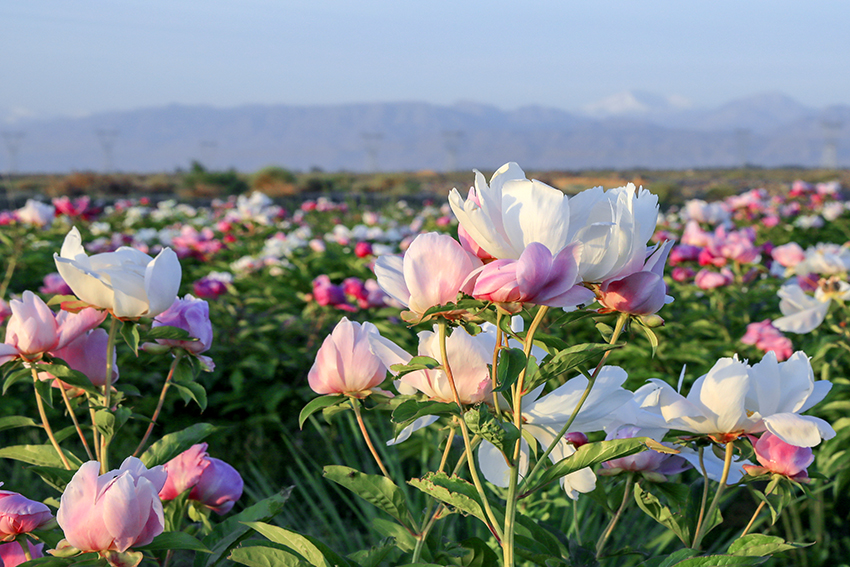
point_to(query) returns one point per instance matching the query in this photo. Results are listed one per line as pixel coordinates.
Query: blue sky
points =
(83, 56)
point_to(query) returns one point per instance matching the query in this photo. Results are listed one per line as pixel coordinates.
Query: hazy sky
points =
(82, 56)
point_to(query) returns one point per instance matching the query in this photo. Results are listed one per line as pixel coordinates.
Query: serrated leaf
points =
(592, 454)
(318, 404)
(175, 443)
(412, 409)
(377, 490)
(175, 540)
(760, 545)
(502, 434)
(39, 455)
(231, 531)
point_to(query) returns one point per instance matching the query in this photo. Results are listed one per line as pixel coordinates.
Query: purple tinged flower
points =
(707, 279)
(660, 464)
(114, 511)
(12, 554)
(20, 515)
(777, 456)
(640, 293)
(54, 284)
(213, 482)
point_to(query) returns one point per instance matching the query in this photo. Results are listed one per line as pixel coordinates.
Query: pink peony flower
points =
(766, 337)
(362, 249)
(20, 515)
(54, 284)
(777, 456)
(87, 354)
(213, 482)
(706, 279)
(641, 293)
(346, 363)
(114, 511)
(12, 554)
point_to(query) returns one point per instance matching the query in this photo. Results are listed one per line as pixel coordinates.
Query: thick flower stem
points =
(753, 519)
(76, 423)
(177, 358)
(473, 472)
(600, 545)
(22, 541)
(727, 464)
(513, 471)
(355, 404)
(40, 403)
(107, 392)
(618, 329)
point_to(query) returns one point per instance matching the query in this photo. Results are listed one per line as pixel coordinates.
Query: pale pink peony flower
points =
(34, 329)
(20, 515)
(707, 279)
(114, 511)
(766, 337)
(641, 293)
(788, 255)
(87, 354)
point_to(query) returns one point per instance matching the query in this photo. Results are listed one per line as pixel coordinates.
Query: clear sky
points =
(82, 56)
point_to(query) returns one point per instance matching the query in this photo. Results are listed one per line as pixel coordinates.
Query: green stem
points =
(107, 392)
(496, 360)
(432, 518)
(704, 489)
(727, 464)
(160, 403)
(753, 519)
(618, 329)
(24, 543)
(513, 470)
(40, 403)
(600, 545)
(473, 472)
(94, 432)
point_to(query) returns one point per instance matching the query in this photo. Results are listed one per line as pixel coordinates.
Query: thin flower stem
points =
(40, 403)
(159, 404)
(107, 392)
(449, 440)
(753, 519)
(496, 360)
(94, 433)
(600, 545)
(355, 404)
(618, 329)
(432, 518)
(704, 489)
(76, 423)
(494, 525)
(513, 471)
(22, 541)
(727, 464)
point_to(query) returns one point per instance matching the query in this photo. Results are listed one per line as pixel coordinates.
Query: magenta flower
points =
(114, 511)
(34, 329)
(362, 249)
(12, 554)
(20, 515)
(213, 482)
(536, 277)
(766, 337)
(777, 456)
(641, 293)
(326, 293)
(706, 279)
(55, 285)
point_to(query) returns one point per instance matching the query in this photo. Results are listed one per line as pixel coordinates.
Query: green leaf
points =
(462, 305)
(175, 540)
(40, 455)
(661, 514)
(15, 377)
(670, 560)
(297, 542)
(760, 545)
(104, 420)
(592, 454)
(721, 561)
(14, 421)
(374, 556)
(416, 363)
(264, 554)
(168, 332)
(454, 491)
(570, 358)
(226, 535)
(318, 404)
(61, 370)
(502, 434)
(191, 391)
(58, 478)
(173, 444)
(377, 490)
(413, 409)
(479, 554)
(44, 390)
(404, 540)
(512, 361)
(130, 333)
(652, 337)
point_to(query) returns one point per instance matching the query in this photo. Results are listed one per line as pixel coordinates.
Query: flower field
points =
(506, 375)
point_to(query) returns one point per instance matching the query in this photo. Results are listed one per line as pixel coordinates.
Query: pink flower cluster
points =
(768, 338)
(351, 295)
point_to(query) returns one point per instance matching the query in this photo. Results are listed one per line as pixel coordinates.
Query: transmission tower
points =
(831, 128)
(13, 145)
(451, 141)
(107, 143)
(372, 141)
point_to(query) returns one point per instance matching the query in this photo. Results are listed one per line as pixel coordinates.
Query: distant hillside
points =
(634, 130)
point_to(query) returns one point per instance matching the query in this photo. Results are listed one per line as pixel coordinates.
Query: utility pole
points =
(372, 140)
(107, 143)
(13, 145)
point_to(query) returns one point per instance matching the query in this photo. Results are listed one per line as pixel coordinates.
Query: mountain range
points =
(627, 130)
